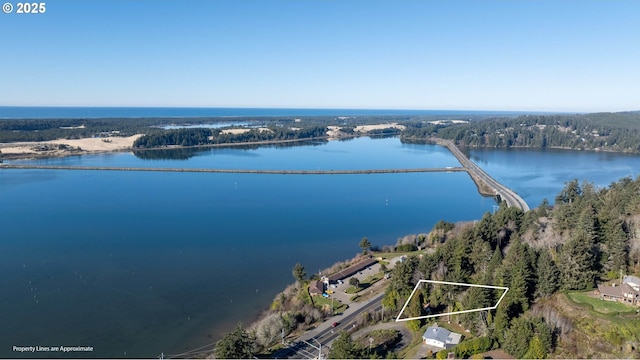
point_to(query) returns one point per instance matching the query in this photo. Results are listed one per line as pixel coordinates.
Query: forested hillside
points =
(599, 131)
(590, 236)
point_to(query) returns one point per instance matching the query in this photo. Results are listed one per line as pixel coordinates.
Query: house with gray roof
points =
(627, 292)
(632, 281)
(440, 337)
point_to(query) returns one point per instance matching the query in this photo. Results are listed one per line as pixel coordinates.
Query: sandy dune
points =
(50, 148)
(367, 128)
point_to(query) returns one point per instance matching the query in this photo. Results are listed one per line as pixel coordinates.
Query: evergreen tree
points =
(616, 247)
(536, 349)
(578, 262)
(548, 274)
(414, 309)
(461, 260)
(518, 273)
(402, 276)
(485, 229)
(480, 256)
(494, 265)
(390, 299)
(365, 245)
(476, 298)
(544, 333)
(570, 193)
(298, 272)
(517, 338)
(344, 347)
(235, 345)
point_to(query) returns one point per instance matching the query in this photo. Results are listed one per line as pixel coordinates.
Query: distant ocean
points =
(23, 112)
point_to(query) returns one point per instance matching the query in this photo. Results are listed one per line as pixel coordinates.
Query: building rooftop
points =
(622, 291)
(351, 270)
(316, 287)
(441, 334)
(634, 281)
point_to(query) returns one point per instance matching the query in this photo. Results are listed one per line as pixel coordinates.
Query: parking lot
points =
(339, 289)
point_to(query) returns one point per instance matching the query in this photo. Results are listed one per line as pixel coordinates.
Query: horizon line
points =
(304, 108)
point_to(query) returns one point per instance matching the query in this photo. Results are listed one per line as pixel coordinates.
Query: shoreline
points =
(66, 147)
(25, 151)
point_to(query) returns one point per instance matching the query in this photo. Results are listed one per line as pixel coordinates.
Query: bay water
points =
(140, 263)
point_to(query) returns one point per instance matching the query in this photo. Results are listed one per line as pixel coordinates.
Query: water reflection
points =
(239, 150)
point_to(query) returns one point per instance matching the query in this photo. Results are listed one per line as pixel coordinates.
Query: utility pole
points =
(332, 305)
(315, 347)
(319, 348)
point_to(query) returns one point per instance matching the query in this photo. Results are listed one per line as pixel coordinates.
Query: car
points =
(335, 324)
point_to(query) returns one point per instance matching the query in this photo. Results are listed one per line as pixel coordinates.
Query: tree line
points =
(205, 136)
(590, 242)
(618, 132)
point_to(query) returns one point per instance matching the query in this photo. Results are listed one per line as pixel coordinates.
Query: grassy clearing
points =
(322, 302)
(596, 334)
(366, 283)
(382, 341)
(353, 289)
(601, 306)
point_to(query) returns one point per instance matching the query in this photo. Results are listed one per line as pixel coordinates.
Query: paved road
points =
(308, 345)
(476, 172)
(325, 334)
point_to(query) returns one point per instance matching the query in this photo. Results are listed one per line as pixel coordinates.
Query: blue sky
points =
(403, 54)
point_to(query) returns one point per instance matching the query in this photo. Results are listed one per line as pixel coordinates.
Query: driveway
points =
(407, 336)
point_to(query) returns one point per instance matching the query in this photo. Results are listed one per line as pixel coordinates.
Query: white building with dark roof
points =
(440, 337)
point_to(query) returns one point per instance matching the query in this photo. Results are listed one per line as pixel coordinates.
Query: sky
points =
(581, 56)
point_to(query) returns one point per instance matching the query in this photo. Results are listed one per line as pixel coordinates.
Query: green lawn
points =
(601, 306)
(338, 307)
(370, 280)
(353, 289)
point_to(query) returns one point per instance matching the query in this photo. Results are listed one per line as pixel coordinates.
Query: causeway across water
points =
(486, 184)
(235, 171)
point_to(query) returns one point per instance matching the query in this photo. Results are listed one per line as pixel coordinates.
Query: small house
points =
(316, 288)
(440, 337)
(632, 281)
(625, 293)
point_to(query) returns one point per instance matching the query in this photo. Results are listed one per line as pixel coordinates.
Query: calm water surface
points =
(540, 174)
(136, 264)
